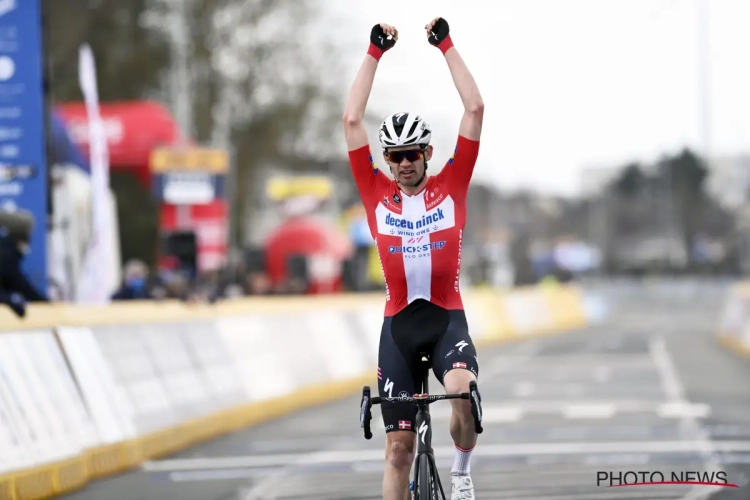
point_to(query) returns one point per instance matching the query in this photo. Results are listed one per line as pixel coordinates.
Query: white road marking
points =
(488, 450)
(675, 391)
(570, 363)
(517, 410)
(602, 374)
(523, 389)
(598, 410)
(502, 415)
(681, 409)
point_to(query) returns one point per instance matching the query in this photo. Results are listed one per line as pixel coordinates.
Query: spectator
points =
(258, 283)
(15, 288)
(134, 286)
(178, 287)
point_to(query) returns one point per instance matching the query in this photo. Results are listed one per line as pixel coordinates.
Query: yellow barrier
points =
(7, 488)
(565, 305)
(735, 320)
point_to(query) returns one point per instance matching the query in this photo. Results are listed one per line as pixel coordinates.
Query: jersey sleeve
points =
(371, 182)
(460, 167)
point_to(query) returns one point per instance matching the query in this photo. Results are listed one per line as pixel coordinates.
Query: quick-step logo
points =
(416, 249)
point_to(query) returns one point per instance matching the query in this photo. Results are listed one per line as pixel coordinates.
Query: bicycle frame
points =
(423, 420)
(424, 439)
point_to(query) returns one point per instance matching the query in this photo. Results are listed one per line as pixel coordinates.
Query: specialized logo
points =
(423, 430)
(416, 249)
(388, 387)
(461, 346)
(404, 424)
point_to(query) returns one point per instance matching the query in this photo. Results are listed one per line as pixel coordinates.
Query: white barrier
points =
(89, 392)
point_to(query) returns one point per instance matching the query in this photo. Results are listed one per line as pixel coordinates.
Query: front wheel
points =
(425, 486)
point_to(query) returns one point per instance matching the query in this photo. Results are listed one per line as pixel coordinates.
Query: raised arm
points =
(438, 34)
(382, 38)
(370, 182)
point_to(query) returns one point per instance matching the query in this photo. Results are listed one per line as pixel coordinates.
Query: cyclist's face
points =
(408, 163)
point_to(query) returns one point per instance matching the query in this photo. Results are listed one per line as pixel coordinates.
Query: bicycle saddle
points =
(425, 358)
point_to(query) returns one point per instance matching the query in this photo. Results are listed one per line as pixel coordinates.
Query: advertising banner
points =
(189, 183)
(189, 175)
(23, 164)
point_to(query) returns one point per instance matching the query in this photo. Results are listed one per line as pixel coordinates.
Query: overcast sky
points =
(568, 84)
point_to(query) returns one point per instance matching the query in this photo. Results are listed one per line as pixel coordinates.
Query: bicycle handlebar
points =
(420, 400)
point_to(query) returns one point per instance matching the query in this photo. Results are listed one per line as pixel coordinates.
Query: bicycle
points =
(423, 489)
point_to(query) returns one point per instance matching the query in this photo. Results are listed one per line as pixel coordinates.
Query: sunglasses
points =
(411, 155)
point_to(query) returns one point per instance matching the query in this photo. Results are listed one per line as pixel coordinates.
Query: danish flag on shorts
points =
(404, 424)
(459, 365)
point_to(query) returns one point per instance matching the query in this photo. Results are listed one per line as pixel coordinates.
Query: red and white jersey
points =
(418, 237)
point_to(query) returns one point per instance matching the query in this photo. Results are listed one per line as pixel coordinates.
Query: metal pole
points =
(181, 84)
(703, 11)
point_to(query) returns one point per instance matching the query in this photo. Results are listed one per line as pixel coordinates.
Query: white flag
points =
(96, 275)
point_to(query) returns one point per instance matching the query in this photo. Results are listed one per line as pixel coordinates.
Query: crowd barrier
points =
(734, 325)
(87, 392)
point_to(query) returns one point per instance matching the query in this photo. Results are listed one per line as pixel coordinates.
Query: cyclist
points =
(418, 222)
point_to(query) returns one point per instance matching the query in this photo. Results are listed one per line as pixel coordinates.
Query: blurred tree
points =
(257, 77)
(685, 174)
(262, 76)
(129, 56)
(130, 59)
(630, 182)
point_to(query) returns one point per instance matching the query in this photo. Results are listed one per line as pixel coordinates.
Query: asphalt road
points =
(648, 390)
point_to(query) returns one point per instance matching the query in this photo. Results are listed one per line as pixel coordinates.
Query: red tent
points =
(323, 244)
(133, 129)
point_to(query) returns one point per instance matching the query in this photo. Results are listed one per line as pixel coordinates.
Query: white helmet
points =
(404, 129)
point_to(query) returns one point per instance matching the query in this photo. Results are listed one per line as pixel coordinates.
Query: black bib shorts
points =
(421, 327)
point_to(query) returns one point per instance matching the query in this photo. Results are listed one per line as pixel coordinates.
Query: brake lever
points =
(365, 415)
(476, 406)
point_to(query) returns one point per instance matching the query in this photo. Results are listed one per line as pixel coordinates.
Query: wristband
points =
(446, 44)
(375, 51)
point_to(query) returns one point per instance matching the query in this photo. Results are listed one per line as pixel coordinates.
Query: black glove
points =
(379, 41)
(439, 35)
